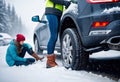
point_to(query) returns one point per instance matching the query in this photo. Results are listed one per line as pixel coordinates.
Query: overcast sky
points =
(28, 8)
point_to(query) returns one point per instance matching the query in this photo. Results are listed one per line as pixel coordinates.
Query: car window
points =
(44, 18)
(74, 1)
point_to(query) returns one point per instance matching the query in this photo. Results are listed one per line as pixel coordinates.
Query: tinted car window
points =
(74, 1)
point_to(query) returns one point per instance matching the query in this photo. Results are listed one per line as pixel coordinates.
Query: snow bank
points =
(106, 54)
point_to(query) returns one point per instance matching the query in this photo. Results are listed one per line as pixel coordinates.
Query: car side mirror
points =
(37, 19)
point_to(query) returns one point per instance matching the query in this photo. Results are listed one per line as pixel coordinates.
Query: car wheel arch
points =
(71, 24)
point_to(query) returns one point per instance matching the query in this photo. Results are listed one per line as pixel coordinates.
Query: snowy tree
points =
(16, 23)
(8, 12)
(3, 24)
(9, 20)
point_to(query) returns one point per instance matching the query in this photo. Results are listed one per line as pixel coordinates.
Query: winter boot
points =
(37, 57)
(51, 61)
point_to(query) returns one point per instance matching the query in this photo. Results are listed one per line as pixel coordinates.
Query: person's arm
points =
(27, 45)
(62, 2)
(14, 54)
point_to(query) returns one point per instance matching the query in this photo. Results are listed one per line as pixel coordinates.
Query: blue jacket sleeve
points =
(14, 55)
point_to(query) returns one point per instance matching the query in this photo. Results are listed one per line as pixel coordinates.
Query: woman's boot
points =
(51, 61)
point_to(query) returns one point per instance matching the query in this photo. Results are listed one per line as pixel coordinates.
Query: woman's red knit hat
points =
(20, 37)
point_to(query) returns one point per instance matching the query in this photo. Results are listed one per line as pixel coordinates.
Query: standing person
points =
(53, 11)
(16, 52)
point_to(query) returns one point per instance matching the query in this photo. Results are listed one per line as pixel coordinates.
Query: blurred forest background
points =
(10, 22)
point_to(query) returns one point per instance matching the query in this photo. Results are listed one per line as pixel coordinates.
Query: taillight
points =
(98, 24)
(102, 1)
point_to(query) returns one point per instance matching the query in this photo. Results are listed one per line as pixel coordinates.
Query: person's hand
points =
(40, 58)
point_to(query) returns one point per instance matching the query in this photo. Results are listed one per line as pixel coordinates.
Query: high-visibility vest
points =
(52, 5)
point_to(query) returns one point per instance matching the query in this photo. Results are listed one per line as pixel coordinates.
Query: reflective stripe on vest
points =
(52, 5)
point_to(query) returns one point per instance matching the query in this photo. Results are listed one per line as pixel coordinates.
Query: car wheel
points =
(37, 48)
(72, 51)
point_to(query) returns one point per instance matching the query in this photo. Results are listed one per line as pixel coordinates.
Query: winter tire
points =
(72, 51)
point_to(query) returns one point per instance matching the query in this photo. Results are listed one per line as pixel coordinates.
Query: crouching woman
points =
(16, 52)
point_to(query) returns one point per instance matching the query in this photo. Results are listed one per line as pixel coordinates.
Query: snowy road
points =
(38, 73)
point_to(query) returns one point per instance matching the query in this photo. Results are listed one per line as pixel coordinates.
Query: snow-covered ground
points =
(38, 73)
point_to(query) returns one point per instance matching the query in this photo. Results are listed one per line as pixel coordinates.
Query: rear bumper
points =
(94, 39)
(114, 43)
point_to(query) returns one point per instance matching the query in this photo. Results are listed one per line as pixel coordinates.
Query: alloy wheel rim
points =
(67, 50)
